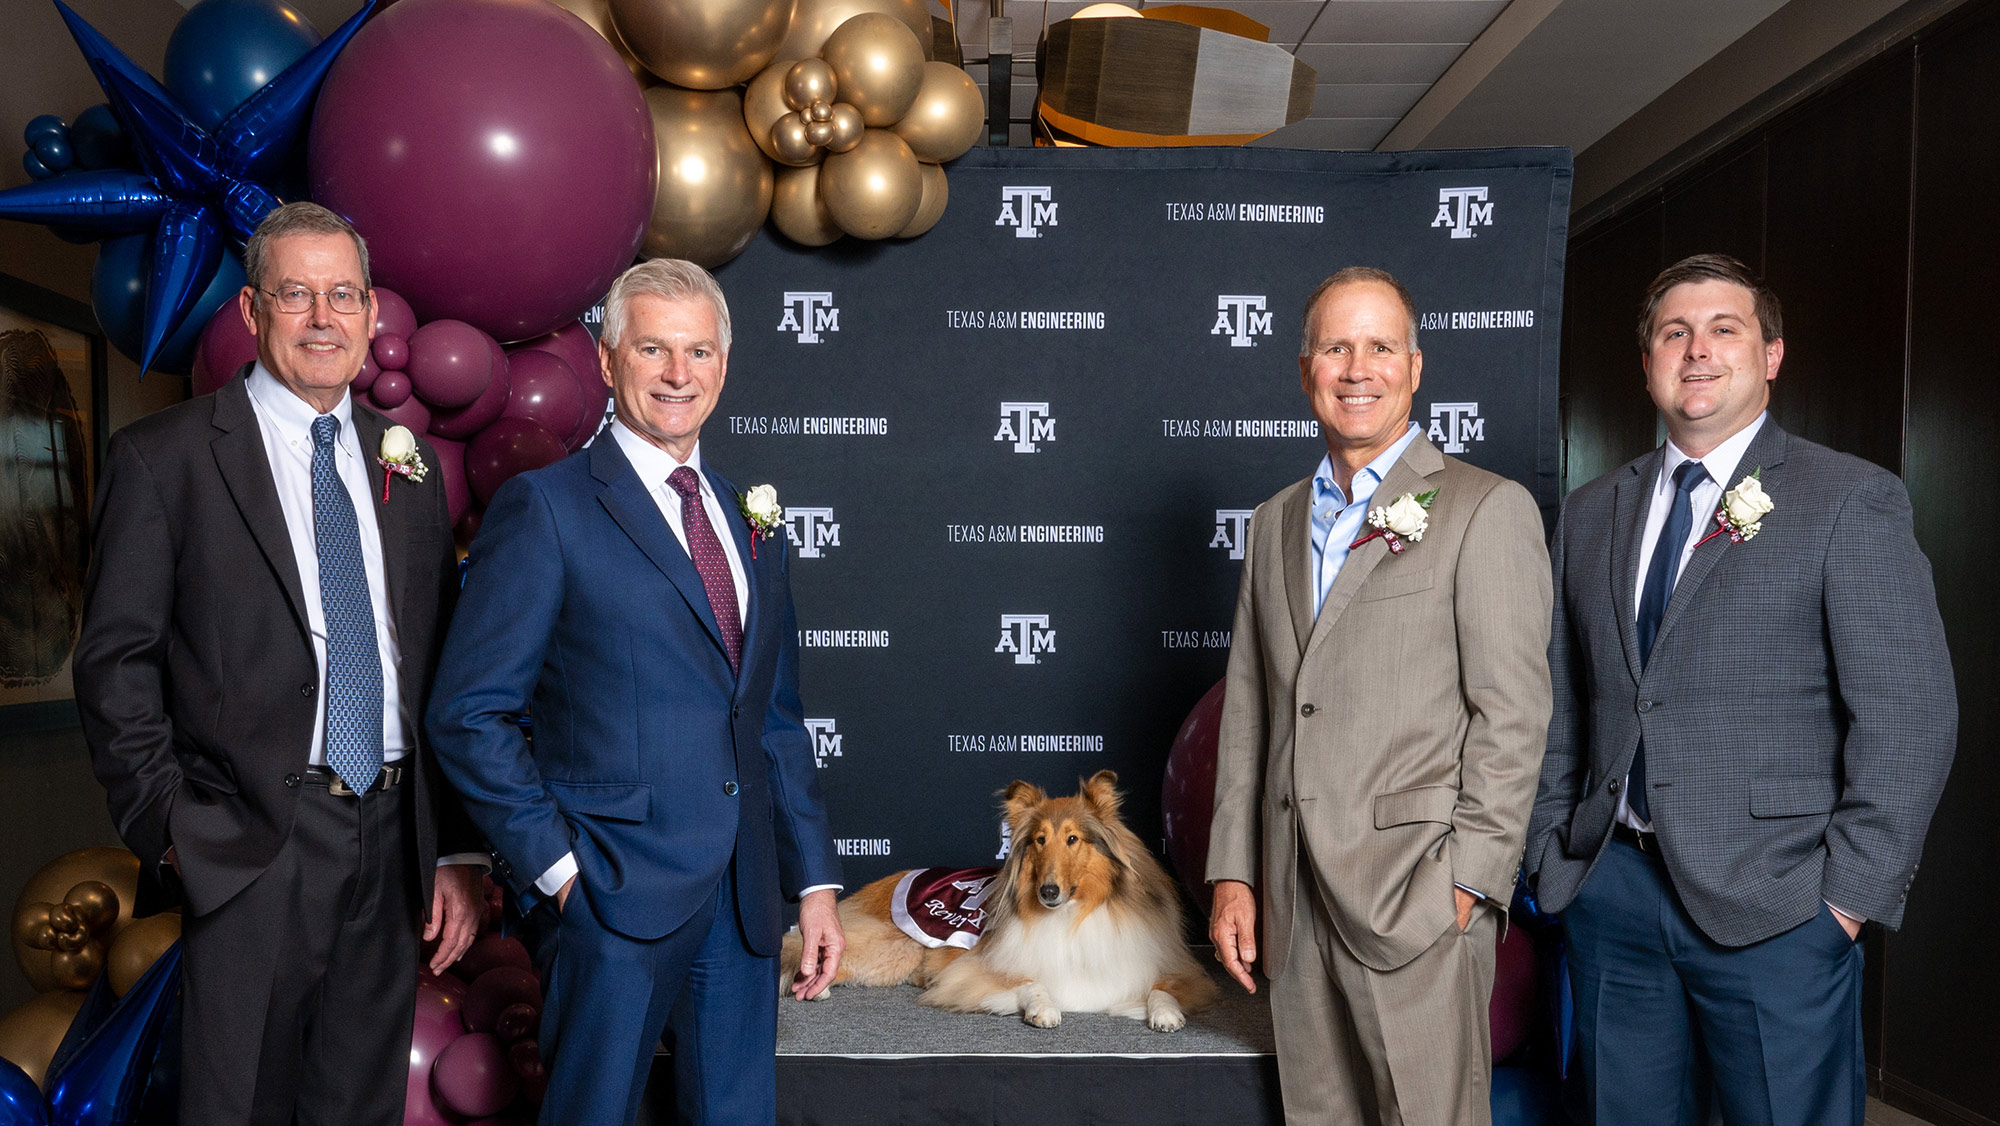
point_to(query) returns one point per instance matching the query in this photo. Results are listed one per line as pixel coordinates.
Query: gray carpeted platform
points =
(888, 1023)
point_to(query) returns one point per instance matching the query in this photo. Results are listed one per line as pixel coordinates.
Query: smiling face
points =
(666, 371)
(316, 353)
(1708, 367)
(1360, 372)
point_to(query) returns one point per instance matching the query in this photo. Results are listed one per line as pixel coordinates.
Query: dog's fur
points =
(1081, 919)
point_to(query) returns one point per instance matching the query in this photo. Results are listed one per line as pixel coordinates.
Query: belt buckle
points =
(339, 787)
(1639, 837)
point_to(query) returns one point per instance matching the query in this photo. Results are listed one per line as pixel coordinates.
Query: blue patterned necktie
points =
(1660, 574)
(353, 663)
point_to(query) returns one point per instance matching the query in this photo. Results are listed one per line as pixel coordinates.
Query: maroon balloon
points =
(466, 528)
(496, 989)
(1187, 795)
(496, 154)
(439, 1023)
(1511, 1011)
(490, 952)
(466, 421)
(526, 1058)
(393, 315)
(451, 471)
(574, 344)
(390, 389)
(472, 1077)
(542, 388)
(413, 413)
(450, 363)
(369, 373)
(391, 351)
(509, 446)
(516, 1021)
(226, 345)
(444, 983)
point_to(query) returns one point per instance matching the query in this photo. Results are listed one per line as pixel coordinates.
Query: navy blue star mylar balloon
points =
(197, 188)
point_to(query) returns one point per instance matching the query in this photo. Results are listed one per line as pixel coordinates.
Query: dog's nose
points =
(1051, 894)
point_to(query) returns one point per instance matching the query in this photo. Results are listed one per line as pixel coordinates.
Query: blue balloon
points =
(43, 125)
(98, 141)
(54, 152)
(104, 1083)
(118, 286)
(35, 168)
(223, 51)
(21, 1102)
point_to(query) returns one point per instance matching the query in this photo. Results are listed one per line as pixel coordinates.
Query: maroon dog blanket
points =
(943, 906)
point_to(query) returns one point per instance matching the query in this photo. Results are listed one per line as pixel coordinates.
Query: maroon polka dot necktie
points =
(711, 562)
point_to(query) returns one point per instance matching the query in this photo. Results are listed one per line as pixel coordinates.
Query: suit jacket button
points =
(729, 788)
(307, 690)
(1307, 709)
(291, 781)
(1645, 705)
(1285, 802)
(1613, 787)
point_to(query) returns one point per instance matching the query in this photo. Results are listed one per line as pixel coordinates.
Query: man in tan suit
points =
(1382, 729)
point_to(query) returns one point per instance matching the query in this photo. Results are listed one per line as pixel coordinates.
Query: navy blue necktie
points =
(1660, 574)
(353, 663)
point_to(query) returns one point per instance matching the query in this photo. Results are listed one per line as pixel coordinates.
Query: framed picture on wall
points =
(52, 431)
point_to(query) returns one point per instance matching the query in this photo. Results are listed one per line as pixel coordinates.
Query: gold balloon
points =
(763, 104)
(808, 81)
(137, 947)
(798, 210)
(95, 904)
(818, 133)
(820, 111)
(847, 128)
(931, 209)
(714, 183)
(948, 116)
(76, 969)
(31, 1032)
(878, 65)
(815, 20)
(703, 44)
(114, 867)
(597, 13)
(873, 191)
(791, 142)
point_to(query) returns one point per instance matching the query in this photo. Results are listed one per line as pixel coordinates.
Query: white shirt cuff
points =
(476, 859)
(822, 887)
(1857, 919)
(1473, 892)
(551, 881)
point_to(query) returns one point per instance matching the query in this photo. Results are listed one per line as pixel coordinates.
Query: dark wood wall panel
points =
(1837, 249)
(1942, 975)
(1719, 211)
(1607, 418)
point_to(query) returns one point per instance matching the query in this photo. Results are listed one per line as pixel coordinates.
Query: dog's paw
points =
(1163, 1013)
(1038, 1008)
(822, 995)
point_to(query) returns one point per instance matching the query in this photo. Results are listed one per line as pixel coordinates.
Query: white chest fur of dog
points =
(1099, 963)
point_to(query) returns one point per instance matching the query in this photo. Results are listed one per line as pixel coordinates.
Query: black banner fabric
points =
(1017, 454)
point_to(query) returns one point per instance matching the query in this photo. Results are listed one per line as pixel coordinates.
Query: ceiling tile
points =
(1374, 63)
(1330, 133)
(1342, 99)
(1427, 21)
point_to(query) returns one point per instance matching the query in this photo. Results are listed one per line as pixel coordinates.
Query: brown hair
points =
(1349, 276)
(1712, 267)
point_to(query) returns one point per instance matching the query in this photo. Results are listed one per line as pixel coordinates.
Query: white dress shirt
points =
(654, 465)
(1337, 518)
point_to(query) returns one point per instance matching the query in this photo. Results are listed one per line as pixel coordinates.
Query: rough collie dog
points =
(1081, 919)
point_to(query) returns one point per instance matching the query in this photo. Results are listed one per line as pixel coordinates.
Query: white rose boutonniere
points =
(1405, 518)
(398, 457)
(760, 509)
(1742, 511)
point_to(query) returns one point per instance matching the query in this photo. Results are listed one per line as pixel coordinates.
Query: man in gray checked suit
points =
(1753, 722)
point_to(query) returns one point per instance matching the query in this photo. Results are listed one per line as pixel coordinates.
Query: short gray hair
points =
(674, 279)
(1350, 276)
(302, 218)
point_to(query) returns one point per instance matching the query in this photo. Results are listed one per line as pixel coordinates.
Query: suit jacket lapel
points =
(1295, 526)
(1631, 502)
(246, 472)
(391, 517)
(1408, 475)
(1766, 450)
(626, 498)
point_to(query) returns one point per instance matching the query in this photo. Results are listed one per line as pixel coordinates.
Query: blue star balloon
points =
(103, 1083)
(197, 188)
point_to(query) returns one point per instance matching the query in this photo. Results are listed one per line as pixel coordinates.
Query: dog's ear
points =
(1019, 797)
(1101, 792)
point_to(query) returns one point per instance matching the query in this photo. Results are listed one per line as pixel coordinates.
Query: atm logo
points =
(1026, 637)
(825, 741)
(807, 315)
(1027, 425)
(1231, 527)
(1454, 425)
(811, 530)
(1242, 318)
(1462, 209)
(1027, 210)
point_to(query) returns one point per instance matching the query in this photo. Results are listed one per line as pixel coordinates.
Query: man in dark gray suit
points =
(1754, 717)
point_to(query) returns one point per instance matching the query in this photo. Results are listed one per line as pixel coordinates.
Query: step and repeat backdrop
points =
(1017, 455)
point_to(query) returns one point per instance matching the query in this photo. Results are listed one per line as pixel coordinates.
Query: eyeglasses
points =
(297, 298)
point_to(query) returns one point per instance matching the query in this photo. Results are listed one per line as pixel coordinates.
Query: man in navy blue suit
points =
(668, 798)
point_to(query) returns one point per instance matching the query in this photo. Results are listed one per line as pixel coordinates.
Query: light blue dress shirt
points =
(1337, 519)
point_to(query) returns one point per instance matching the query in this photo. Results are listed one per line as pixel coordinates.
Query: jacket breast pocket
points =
(1396, 584)
(608, 801)
(1794, 796)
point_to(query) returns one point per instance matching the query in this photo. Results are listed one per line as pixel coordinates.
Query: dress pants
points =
(1407, 1047)
(299, 993)
(1778, 1022)
(611, 996)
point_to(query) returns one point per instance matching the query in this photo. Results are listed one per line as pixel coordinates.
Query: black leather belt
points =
(324, 776)
(1637, 838)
